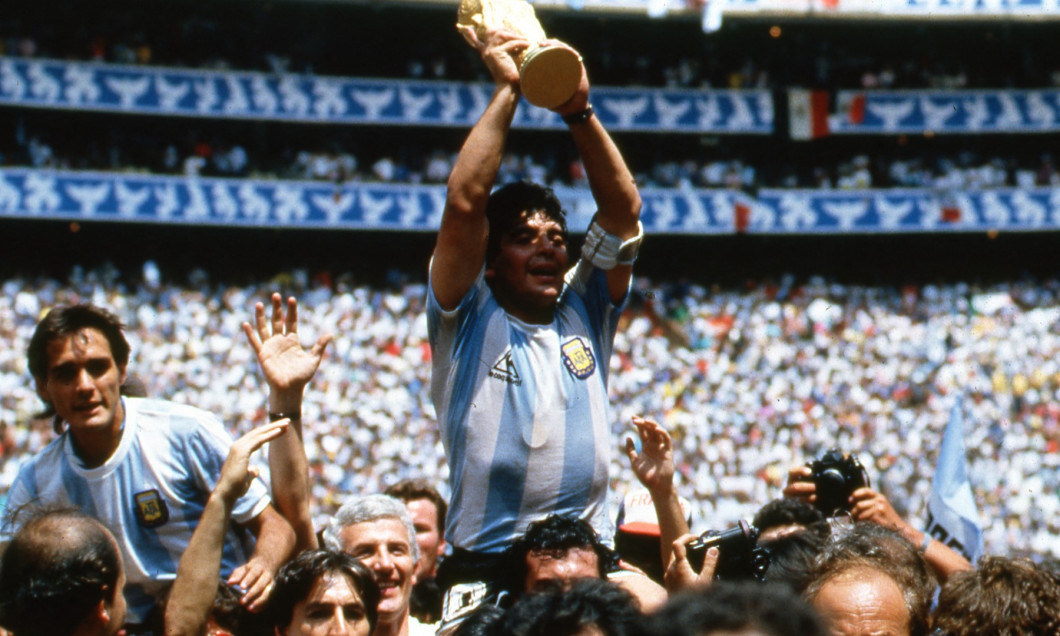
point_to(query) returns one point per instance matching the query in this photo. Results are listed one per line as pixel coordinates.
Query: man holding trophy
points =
(521, 342)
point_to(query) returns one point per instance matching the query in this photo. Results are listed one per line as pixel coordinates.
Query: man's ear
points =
(101, 613)
(122, 375)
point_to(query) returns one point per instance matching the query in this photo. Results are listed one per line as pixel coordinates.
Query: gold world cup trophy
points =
(548, 75)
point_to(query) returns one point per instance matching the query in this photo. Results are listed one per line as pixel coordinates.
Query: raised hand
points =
(286, 364)
(654, 463)
(236, 473)
(499, 51)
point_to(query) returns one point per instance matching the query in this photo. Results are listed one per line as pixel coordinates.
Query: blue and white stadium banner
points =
(125, 197)
(304, 98)
(945, 112)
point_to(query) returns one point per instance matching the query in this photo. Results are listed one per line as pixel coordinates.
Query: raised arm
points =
(460, 250)
(199, 571)
(654, 467)
(614, 190)
(288, 367)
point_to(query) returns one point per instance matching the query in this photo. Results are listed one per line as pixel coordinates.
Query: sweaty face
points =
(82, 383)
(332, 608)
(428, 535)
(527, 273)
(863, 602)
(565, 566)
(384, 547)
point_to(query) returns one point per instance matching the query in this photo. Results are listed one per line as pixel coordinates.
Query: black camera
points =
(835, 477)
(739, 556)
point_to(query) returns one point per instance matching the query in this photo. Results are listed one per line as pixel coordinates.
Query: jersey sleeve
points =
(207, 451)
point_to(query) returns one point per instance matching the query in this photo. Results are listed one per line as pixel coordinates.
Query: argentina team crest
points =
(151, 510)
(578, 357)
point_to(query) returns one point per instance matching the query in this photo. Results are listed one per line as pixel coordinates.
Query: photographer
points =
(865, 504)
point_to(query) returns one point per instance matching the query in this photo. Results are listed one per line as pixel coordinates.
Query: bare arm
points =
(288, 367)
(274, 546)
(614, 190)
(654, 467)
(195, 588)
(869, 505)
(460, 250)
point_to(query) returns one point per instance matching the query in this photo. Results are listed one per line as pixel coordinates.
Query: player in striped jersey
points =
(521, 341)
(142, 467)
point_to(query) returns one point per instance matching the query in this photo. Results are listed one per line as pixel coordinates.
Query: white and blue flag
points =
(952, 515)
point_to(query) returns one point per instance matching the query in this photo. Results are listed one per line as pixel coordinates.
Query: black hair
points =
(55, 572)
(786, 512)
(791, 558)
(508, 204)
(557, 611)
(735, 605)
(66, 320)
(484, 620)
(559, 533)
(296, 579)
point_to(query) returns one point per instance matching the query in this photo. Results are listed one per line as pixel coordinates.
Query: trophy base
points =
(550, 75)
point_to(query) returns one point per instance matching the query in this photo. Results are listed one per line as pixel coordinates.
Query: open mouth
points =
(547, 270)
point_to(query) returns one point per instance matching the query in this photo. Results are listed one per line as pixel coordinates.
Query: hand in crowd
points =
(654, 463)
(255, 576)
(237, 473)
(286, 365)
(679, 573)
(869, 505)
(799, 485)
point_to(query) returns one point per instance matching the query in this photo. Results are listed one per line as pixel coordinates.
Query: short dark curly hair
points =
(735, 605)
(508, 204)
(1002, 595)
(558, 611)
(559, 533)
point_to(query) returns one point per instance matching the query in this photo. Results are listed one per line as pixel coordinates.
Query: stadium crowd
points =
(750, 381)
(951, 167)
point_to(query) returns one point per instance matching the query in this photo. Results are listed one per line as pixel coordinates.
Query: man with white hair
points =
(377, 530)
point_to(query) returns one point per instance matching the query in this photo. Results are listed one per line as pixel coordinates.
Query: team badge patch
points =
(579, 358)
(151, 510)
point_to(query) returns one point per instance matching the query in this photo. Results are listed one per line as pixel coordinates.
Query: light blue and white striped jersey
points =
(523, 410)
(150, 493)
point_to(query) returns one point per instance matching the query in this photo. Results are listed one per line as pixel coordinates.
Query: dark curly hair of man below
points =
(734, 607)
(1002, 595)
(588, 604)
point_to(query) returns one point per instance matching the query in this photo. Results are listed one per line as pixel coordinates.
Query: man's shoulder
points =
(151, 412)
(50, 455)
